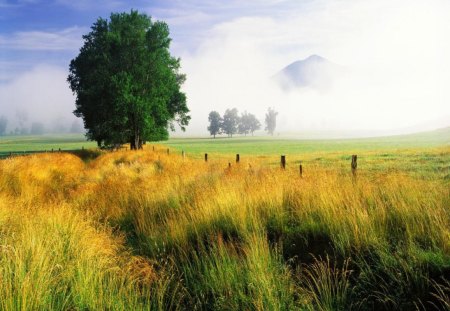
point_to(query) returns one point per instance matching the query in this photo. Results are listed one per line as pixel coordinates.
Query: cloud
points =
(396, 56)
(66, 39)
(42, 93)
(85, 5)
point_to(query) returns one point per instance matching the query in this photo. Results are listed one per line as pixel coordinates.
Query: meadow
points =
(148, 230)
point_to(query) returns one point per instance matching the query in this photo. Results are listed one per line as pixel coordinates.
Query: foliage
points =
(230, 122)
(126, 82)
(271, 121)
(248, 123)
(215, 122)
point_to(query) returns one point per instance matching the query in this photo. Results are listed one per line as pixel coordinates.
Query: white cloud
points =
(66, 39)
(396, 54)
(84, 5)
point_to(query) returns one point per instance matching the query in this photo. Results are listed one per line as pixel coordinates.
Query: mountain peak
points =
(314, 57)
(314, 71)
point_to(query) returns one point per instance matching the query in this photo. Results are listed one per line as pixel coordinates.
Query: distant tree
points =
(3, 124)
(230, 122)
(22, 117)
(271, 121)
(253, 123)
(37, 128)
(126, 82)
(215, 121)
(248, 123)
(59, 125)
(23, 131)
(244, 124)
(76, 127)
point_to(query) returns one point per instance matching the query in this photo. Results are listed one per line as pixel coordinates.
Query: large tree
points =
(127, 85)
(215, 122)
(230, 122)
(271, 121)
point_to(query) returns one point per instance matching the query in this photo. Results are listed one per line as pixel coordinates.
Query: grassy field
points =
(264, 145)
(146, 230)
(260, 145)
(44, 142)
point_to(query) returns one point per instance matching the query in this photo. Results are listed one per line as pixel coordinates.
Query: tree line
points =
(22, 127)
(231, 123)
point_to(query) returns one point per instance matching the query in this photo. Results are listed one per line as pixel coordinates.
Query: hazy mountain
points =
(315, 72)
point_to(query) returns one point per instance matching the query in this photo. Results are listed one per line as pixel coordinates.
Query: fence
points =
(3, 155)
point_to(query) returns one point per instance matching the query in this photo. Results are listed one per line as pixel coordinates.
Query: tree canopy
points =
(248, 123)
(230, 122)
(271, 121)
(215, 122)
(126, 82)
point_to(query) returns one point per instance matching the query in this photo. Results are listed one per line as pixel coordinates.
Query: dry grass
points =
(147, 230)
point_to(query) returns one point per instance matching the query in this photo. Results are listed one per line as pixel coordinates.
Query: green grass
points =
(260, 145)
(264, 145)
(44, 142)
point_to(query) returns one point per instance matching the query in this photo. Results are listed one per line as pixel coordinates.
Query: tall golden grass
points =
(147, 230)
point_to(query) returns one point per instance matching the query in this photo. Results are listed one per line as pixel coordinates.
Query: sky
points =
(395, 55)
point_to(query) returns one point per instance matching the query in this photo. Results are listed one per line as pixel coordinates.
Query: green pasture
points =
(379, 153)
(42, 143)
(264, 145)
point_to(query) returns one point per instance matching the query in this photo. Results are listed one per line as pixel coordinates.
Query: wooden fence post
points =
(301, 170)
(283, 162)
(354, 163)
(168, 151)
(153, 147)
(229, 165)
(182, 154)
(237, 158)
(206, 157)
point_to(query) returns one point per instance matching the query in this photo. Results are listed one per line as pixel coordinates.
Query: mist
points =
(394, 59)
(38, 96)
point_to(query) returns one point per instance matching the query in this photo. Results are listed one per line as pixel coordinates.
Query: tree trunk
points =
(136, 141)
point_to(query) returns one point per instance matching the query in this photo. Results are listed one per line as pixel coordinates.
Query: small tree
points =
(215, 121)
(3, 124)
(253, 123)
(271, 121)
(230, 122)
(244, 124)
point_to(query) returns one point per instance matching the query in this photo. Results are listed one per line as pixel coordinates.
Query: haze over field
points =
(386, 70)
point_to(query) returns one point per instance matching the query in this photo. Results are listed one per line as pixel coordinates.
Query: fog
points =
(393, 55)
(40, 95)
(394, 59)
